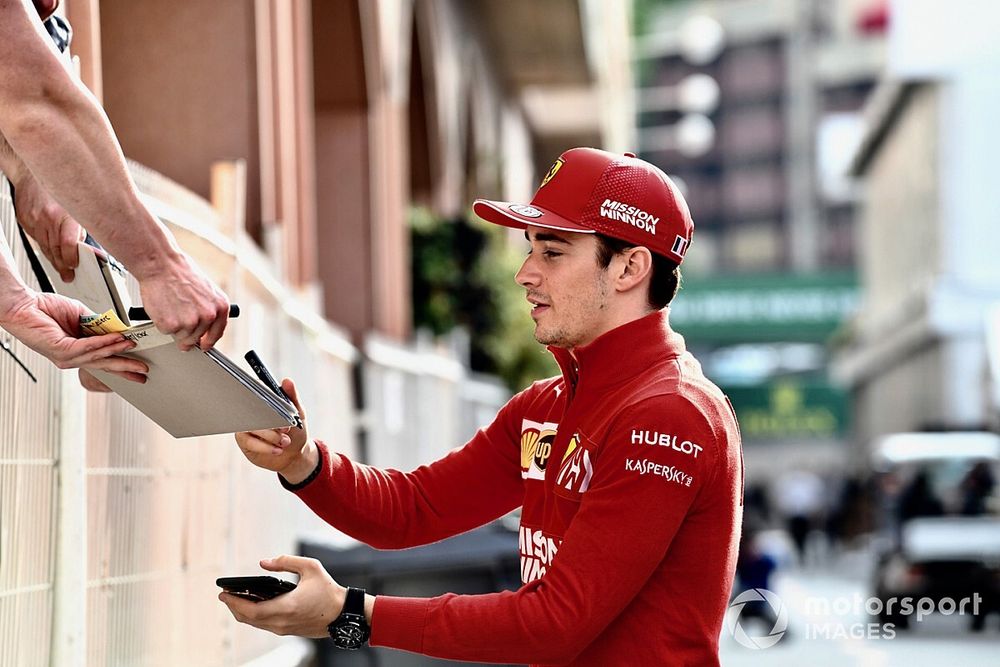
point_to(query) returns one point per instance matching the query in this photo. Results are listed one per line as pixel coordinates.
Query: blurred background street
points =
(319, 159)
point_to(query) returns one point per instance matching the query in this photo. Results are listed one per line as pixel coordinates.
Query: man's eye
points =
(546, 253)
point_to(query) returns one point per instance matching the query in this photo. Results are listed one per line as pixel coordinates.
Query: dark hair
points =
(666, 278)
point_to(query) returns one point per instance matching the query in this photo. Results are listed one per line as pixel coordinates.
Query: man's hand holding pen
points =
(288, 450)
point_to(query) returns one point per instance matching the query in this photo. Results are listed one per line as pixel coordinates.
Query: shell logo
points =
(529, 443)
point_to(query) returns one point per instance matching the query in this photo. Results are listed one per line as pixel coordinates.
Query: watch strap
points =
(354, 603)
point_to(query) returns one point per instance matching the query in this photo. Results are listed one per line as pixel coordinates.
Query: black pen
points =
(139, 313)
(265, 375)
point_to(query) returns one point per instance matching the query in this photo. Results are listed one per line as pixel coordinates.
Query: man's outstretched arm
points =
(390, 509)
(61, 134)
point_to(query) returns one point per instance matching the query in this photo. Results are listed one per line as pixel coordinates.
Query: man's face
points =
(567, 287)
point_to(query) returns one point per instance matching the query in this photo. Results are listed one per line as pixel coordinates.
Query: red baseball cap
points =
(589, 190)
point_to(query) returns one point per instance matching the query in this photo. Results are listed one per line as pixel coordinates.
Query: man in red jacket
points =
(627, 466)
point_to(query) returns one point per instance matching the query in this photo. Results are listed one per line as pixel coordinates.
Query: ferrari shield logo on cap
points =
(553, 170)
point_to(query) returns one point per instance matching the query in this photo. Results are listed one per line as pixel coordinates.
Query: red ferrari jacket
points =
(628, 469)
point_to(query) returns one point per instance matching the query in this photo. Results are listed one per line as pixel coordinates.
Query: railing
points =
(29, 449)
(420, 403)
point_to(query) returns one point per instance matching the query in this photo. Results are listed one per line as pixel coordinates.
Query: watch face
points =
(349, 635)
(350, 630)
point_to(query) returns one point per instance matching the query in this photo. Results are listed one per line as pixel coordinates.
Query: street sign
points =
(790, 408)
(764, 308)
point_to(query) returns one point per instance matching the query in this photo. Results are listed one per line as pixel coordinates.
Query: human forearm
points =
(66, 142)
(10, 164)
(389, 509)
(41, 217)
(13, 291)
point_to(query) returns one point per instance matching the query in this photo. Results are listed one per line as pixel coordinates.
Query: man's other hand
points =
(305, 612)
(56, 232)
(50, 325)
(184, 303)
(287, 450)
(91, 383)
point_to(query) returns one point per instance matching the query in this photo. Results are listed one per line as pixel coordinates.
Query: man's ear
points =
(634, 264)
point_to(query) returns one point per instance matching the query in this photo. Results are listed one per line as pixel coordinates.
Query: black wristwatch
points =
(350, 630)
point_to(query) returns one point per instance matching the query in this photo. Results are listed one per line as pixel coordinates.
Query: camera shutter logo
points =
(757, 596)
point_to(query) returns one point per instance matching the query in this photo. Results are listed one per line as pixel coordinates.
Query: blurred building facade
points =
(754, 106)
(785, 72)
(917, 357)
(283, 143)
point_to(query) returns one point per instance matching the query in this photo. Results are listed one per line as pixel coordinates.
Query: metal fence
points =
(420, 402)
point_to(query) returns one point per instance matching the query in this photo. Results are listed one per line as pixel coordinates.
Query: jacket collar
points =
(622, 353)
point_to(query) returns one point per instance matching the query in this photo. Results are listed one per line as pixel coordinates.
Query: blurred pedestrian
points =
(918, 499)
(756, 506)
(754, 568)
(977, 489)
(850, 514)
(627, 467)
(800, 498)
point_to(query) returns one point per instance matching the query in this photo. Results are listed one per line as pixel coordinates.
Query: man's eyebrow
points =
(544, 236)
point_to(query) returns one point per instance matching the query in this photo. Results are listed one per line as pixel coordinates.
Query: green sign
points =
(764, 308)
(789, 408)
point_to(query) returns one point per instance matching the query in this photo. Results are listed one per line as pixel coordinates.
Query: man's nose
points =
(527, 276)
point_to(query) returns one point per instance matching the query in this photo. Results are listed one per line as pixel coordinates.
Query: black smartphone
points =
(255, 588)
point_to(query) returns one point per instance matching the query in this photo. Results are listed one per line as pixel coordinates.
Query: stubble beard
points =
(563, 337)
(557, 338)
